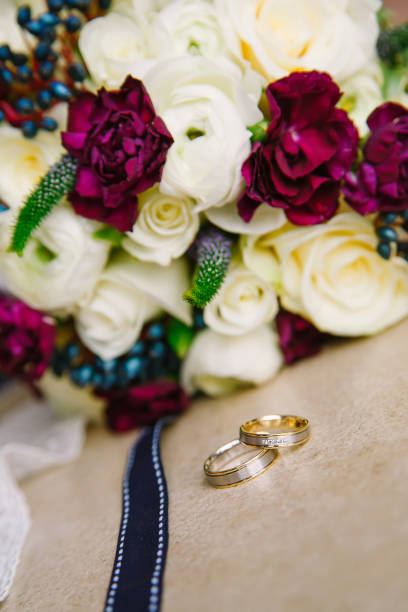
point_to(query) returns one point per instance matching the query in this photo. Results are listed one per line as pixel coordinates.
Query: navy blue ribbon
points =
(136, 581)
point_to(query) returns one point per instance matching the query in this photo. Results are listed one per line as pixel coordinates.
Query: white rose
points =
(60, 264)
(333, 276)
(361, 95)
(23, 162)
(259, 255)
(244, 302)
(207, 112)
(218, 364)
(265, 219)
(281, 37)
(111, 321)
(114, 47)
(186, 27)
(165, 228)
(129, 293)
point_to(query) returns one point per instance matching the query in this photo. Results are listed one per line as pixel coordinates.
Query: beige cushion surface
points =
(324, 529)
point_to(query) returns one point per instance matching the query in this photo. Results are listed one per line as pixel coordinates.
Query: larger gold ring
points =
(275, 430)
(237, 473)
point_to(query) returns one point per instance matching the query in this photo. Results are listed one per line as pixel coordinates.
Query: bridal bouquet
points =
(195, 192)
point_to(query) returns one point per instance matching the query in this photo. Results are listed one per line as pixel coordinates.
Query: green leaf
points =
(111, 234)
(259, 131)
(44, 254)
(193, 133)
(59, 180)
(180, 337)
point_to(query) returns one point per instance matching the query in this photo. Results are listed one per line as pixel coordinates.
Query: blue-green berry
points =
(46, 70)
(49, 124)
(29, 129)
(387, 234)
(384, 249)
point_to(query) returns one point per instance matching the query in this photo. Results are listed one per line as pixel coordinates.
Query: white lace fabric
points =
(32, 439)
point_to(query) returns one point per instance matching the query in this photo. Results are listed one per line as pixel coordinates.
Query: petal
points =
(87, 183)
(165, 284)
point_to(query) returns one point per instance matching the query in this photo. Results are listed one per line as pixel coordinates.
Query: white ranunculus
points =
(265, 219)
(127, 294)
(361, 95)
(244, 302)
(218, 364)
(333, 276)
(186, 27)
(207, 111)
(138, 8)
(23, 162)
(281, 37)
(165, 228)
(60, 264)
(114, 47)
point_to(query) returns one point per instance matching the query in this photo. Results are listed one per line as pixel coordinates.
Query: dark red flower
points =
(144, 405)
(26, 339)
(381, 182)
(310, 145)
(298, 338)
(121, 145)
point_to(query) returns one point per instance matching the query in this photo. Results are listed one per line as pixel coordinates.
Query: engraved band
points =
(275, 431)
(245, 470)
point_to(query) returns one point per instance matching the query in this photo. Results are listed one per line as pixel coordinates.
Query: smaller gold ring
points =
(275, 431)
(244, 471)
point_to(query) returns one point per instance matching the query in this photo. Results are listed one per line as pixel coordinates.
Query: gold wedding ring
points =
(275, 430)
(225, 467)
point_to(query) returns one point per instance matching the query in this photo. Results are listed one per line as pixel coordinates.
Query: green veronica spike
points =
(213, 251)
(59, 180)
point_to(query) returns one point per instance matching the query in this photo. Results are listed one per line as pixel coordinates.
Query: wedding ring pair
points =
(256, 450)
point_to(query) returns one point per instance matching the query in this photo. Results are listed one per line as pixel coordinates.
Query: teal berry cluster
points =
(32, 83)
(392, 231)
(150, 358)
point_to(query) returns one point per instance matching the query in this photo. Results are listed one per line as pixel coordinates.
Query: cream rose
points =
(129, 293)
(259, 255)
(244, 302)
(333, 276)
(113, 47)
(165, 228)
(218, 364)
(207, 111)
(61, 261)
(280, 37)
(23, 162)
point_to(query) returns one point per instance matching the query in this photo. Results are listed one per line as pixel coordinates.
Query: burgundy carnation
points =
(121, 145)
(381, 182)
(309, 147)
(144, 405)
(298, 338)
(26, 339)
